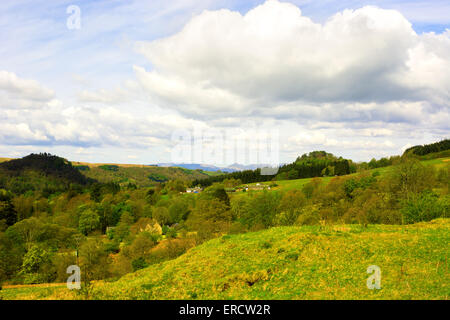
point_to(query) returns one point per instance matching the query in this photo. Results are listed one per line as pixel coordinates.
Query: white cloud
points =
(24, 91)
(360, 84)
(224, 63)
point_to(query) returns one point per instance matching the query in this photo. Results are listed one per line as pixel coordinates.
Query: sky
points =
(122, 80)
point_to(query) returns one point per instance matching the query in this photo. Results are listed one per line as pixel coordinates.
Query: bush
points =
(139, 263)
(262, 210)
(425, 207)
(308, 218)
(61, 261)
(237, 228)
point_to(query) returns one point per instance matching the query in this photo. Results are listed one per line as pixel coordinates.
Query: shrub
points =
(308, 218)
(425, 207)
(61, 261)
(262, 210)
(139, 263)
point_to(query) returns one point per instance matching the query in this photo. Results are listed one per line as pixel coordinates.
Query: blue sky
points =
(103, 58)
(36, 31)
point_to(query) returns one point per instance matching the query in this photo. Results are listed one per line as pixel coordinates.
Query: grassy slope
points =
(310, 262)
(299, 183)
(32, 292)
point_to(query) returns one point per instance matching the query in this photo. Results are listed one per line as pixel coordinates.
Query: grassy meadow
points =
(297, 184)
(308, 262)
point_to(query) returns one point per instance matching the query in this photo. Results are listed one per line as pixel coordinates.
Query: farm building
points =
(194, 190)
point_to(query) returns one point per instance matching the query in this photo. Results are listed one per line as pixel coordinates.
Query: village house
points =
(194, 190)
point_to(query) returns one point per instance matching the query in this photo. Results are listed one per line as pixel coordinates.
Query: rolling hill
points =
(39, 171)
(140, 175)
(309, 262)
(321, 261)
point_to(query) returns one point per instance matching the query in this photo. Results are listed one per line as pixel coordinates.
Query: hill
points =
(301, 263)
(140, 175)
(313, 164)
(297, 184)
(212, 168)
(309, 262)
(314, 235)
(39, 172)
(198, 166)
(438, 149)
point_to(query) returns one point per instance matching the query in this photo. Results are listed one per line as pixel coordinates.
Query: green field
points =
(299, 183)
(309, 262)
(35, 292)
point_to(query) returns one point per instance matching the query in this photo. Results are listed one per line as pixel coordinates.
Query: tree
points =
(141, 245)
(178, 211)
(37, 266)
(10, 257)
(411, 177)
(209, 218)
(7, 211)
(290, 207)
(231, 183)
(262, 210)
(139, 263)
(122, 231)
(96, 192)
(311, 187)
(93, 261)
(26, 231)
(175, 186)
(342, 167)
(217, 191)
(211, 210)
(162, 215)
(24, 206)
(88, 221)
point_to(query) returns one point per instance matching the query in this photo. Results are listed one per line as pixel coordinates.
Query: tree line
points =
(314, 164)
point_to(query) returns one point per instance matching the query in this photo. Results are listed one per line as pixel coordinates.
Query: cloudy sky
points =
(360, 79)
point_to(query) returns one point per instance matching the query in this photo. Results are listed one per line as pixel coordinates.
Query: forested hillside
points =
(119, 228)
(139, 175)
(38, 172)
(437, 147)
(314, 164)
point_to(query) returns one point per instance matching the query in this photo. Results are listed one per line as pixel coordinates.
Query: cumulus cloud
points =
(363, 83)
(85, 127)
(224, 62)
(129, 91)
(22, 93)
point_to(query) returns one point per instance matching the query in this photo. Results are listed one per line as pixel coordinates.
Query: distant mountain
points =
(196, 166)
(209, 167)
(242, 167)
